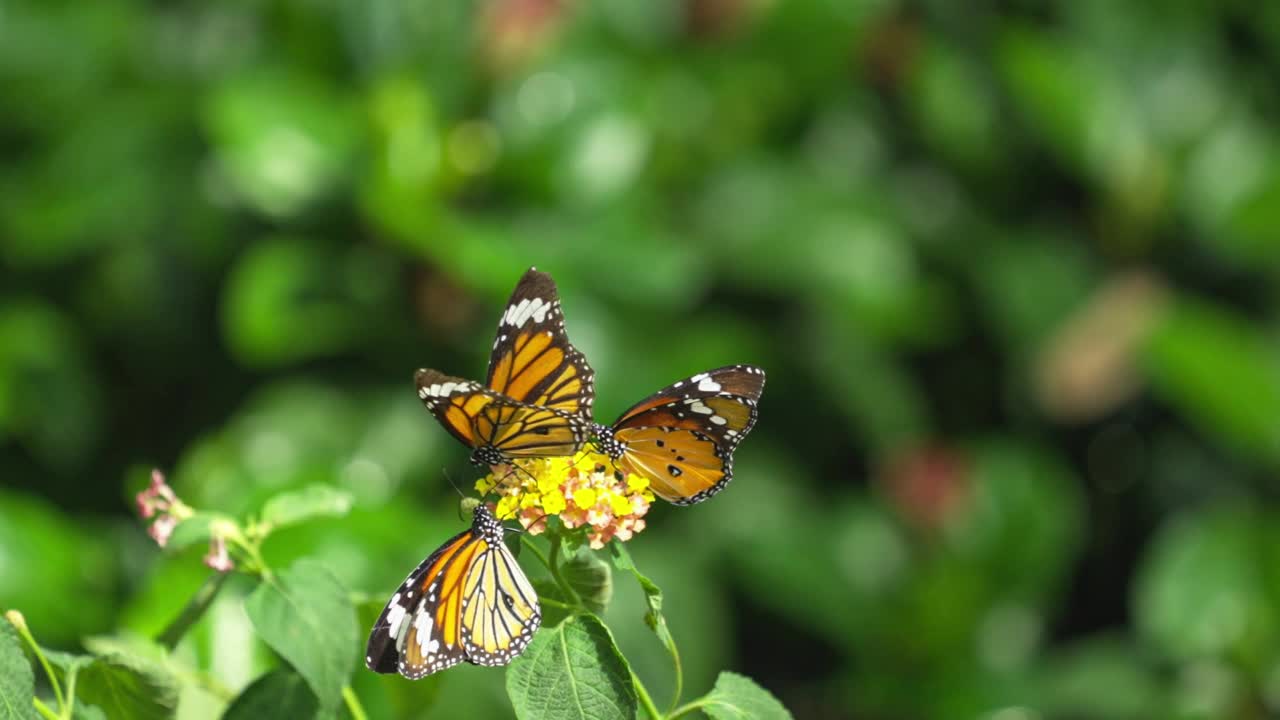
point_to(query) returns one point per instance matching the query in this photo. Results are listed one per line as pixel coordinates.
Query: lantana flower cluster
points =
(160, 505)
(583, 490)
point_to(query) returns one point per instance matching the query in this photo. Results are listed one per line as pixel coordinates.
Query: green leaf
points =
(1102, 678)
(590, 577)
(652, 596)
(128, 686)
(282, 693)
(305, 614)
(1222, 373)
(571, 671)
(282, 139)
(737, 697)
(287, 300)
(290, 508)
(1202, 588)
(17, 683)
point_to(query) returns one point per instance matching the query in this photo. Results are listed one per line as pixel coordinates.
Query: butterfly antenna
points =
(522, 530)
(447, 476)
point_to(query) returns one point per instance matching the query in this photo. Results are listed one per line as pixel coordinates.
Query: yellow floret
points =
(548, 482)
(636, 483)
(584, 497)
(507, 507)
(553, 503)
(619, 504)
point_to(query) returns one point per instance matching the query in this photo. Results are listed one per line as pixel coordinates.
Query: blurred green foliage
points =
(1012, 269)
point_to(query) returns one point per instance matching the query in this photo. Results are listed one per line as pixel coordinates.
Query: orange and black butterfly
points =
(469, 601)
(536, 401)
(682, 437)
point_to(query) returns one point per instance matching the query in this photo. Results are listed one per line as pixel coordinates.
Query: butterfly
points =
(682, 437)
(536, 400)
(469, 600)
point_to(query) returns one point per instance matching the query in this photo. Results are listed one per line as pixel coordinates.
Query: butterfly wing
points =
(684, 467)
(418, 633)
(500, 611)
(682, 437)
(479, 417)
(455, 402)
(469, 600)
(720, 403)
(516, 430)
(532, 360)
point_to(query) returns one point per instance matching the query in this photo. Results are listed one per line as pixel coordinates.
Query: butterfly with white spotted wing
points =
(468, 601)
(536, 400)
(682, 437)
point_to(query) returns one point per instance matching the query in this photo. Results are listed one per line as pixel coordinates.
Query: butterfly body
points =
(468, 601)
(682, 437)
(537, 396)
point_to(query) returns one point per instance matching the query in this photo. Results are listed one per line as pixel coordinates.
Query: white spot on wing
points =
(520, 313)
(709, 385)
(701, 409)
(422, 623)
(395, 617)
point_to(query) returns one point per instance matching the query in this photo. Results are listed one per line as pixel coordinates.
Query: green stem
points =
(645, 701)
(69, 707)
(194, 610)
(251, 545)
(556, 603)
(44, 710)
(205, 682)
(533, 548)
(20, 624)
(685, 710)
(353, 704)
(675, 661)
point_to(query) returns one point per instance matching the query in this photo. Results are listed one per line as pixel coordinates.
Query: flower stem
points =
(69, 707)
(44, 710)
(685, 709)
(193, 611)
(542, 558)
(19, 623)
(556, 603)
(679, 668)
(645, 701)
(353, 704)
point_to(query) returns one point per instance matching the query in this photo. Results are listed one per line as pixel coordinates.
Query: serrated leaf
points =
(590, 577)
(737, 697)
(128, 686)
(126, 644)
(17, 683)
(282, 693)
(572, 672)
(305, 614)
(295, 506)
(652, 597)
